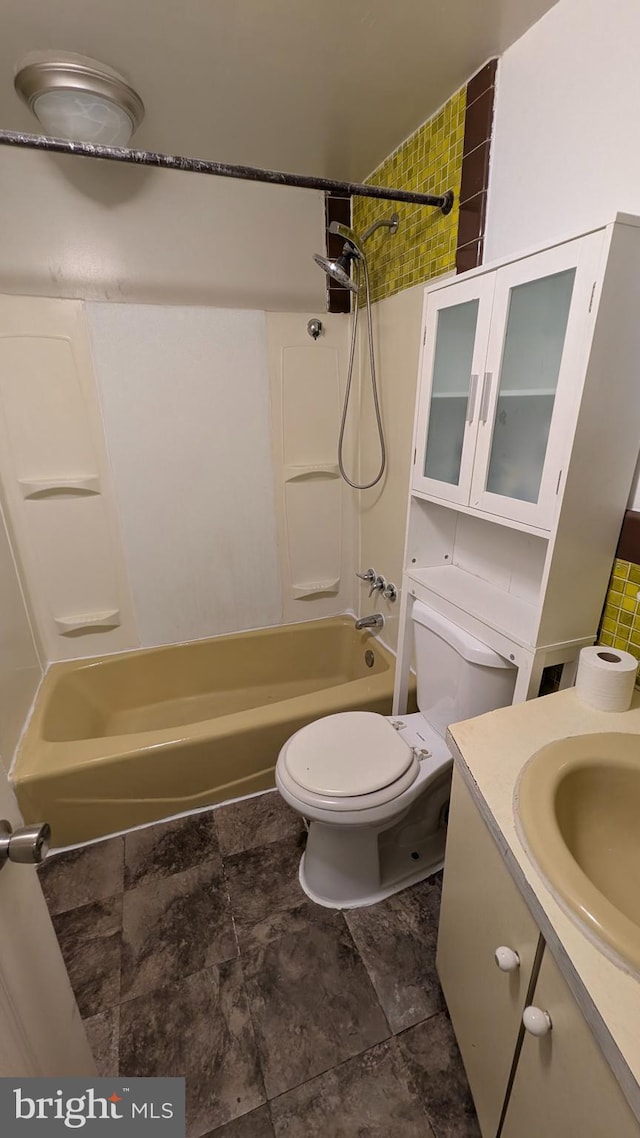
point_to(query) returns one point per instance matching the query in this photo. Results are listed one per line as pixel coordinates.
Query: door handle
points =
(486, 393)
(471, 401)
(29, 845)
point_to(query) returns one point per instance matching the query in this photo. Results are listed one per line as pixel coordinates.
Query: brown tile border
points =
(629, 540)
(482, 81)
(336, 209)
(477, 121)
(475, 167)
(469, 256)
(471, 219)
(475, 172)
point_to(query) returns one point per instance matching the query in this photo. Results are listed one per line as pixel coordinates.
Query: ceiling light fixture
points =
(79, 99)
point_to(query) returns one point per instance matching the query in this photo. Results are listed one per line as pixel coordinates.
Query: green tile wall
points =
(430, 162)
(620, 627)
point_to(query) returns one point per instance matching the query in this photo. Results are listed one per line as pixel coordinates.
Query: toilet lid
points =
(346, 755)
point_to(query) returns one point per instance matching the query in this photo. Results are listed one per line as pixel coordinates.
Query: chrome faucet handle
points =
(378, 585)
(390, 592)
(370, 575)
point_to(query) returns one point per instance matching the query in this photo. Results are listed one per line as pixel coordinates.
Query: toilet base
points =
(348, 867)
(358, 902)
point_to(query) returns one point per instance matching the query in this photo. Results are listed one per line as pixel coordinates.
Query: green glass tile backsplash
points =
(620, 625)
(430, 162)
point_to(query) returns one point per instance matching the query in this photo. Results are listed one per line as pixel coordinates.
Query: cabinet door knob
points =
(536, 1021)
(506, 959)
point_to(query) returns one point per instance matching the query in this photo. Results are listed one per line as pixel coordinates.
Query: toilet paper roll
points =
(605, 678)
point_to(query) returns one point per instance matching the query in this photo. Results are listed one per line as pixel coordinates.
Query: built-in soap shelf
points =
(312, 588)
(59, 487)
(313, 470)
(87, 622)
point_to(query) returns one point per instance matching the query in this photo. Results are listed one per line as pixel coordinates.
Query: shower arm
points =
(355, 241)
(390, 223)
(19, 139)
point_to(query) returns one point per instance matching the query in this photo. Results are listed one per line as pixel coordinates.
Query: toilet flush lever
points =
(29, 845)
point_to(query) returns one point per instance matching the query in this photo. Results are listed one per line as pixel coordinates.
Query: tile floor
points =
(193, 951)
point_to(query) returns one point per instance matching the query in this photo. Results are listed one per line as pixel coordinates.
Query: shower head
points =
(349, 235)
(338, 268)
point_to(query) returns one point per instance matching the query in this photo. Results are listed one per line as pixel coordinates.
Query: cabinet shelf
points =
(495, 607)
(523, 393)
(450, 395)
(528, 392)
(471, 511)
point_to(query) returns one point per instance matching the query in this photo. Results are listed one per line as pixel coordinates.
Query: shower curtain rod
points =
(443, 202)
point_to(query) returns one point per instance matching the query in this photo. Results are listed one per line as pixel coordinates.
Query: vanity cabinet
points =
(525, 444)
(563, 1087)
(482, 911)
(554, 1086)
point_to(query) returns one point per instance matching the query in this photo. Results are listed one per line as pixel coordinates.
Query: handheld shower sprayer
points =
(340, 269)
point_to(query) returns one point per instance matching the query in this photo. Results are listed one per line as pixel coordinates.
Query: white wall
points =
(565, 152)
(185, 399)
(91, 230)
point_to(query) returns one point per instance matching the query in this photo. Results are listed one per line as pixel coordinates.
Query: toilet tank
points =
(458, 676)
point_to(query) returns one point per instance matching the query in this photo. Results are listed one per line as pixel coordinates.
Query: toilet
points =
(375, 790)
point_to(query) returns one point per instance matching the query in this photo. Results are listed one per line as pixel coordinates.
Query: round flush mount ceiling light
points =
(79, 99)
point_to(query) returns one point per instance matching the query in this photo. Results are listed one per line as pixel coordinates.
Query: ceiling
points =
(327, 88)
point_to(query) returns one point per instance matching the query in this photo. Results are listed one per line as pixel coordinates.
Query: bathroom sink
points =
(577, 804)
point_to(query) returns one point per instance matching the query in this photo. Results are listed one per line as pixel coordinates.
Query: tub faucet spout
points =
(376, 620)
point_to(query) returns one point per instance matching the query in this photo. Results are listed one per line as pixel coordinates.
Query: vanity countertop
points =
(490, 751)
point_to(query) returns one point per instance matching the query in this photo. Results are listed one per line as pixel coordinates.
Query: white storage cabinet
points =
(526, 437)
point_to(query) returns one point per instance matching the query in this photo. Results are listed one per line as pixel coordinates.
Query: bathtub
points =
(121, 740)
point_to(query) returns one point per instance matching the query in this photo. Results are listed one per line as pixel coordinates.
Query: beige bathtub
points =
(121, 740)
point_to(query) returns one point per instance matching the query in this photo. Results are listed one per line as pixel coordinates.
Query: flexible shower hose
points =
(374, 388)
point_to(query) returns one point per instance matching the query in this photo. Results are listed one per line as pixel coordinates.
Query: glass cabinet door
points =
(532, 353)
(536, 301)
(450, 394)
(456, 325)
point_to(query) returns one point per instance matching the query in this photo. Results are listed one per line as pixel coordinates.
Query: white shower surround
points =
(185, 399)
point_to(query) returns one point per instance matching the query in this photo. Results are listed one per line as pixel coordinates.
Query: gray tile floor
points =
(193, 951)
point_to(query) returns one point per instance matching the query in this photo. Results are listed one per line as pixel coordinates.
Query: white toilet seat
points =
(345, 755)
(347, 762)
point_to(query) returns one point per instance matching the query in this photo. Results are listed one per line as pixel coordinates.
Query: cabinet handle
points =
(471, 401)
(486, 392)
(536, 1021)
(506, 959)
